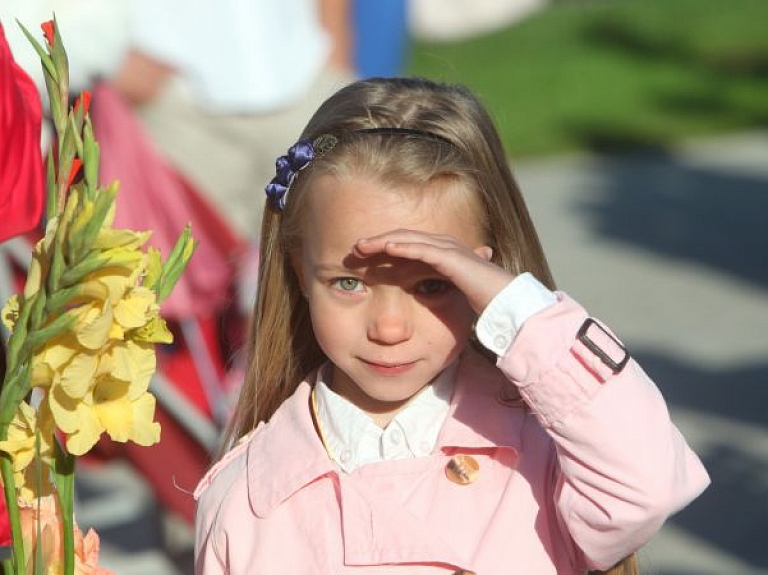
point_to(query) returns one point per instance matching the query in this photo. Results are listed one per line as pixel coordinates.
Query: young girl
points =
(419, 400)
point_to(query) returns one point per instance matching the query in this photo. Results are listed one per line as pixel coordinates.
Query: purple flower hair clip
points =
(287, 167)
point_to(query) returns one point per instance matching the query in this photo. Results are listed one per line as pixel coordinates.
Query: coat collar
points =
(286, 454)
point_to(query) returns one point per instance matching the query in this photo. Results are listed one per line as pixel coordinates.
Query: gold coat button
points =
(462, 469)
(463, 572)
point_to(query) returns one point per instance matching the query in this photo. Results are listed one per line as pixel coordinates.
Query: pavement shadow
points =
(703, 215)
(712, 217)
(732, 514)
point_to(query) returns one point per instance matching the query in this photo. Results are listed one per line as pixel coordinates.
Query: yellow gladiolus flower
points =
(154, 331)
(51, 360)
(117, 402)
(94, 325)
(132, 362)
(10, 313)
(22, 445)
(40, 260)
(136, 308)
(110, 238)
(77, 377)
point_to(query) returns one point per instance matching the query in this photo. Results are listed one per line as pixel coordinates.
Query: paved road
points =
(672, 250)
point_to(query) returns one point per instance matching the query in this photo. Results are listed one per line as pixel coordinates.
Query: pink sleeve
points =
(623, 467)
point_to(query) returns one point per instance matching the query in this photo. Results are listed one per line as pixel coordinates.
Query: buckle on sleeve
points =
(615, 365)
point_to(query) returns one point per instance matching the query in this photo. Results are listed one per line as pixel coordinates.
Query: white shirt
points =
(350, 434)
(236, 56)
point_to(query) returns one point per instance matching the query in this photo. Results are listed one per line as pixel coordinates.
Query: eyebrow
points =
(336, 268)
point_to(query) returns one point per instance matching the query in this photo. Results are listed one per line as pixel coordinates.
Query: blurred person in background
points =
(223, 87)
(449, 20)
(381, 37)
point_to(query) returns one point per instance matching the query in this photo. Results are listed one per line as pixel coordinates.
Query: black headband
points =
(404, 132)
(304, 152)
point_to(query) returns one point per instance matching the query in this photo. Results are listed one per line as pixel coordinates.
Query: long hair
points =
(628, 566)
(282, 346)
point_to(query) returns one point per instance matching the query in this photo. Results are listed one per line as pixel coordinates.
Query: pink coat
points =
(582, 478)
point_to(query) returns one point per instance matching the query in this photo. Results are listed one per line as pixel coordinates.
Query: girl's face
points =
(388, 325)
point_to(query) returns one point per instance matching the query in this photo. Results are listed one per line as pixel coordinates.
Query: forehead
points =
(341, 210)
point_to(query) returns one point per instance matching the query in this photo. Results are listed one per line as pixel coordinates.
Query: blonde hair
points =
(628, 566)
(283, 349)
(282, 346)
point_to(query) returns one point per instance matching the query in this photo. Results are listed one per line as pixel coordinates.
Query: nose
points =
(390, 320)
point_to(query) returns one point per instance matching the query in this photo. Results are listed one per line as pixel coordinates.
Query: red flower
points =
(48, 31)
(86, 100)
(76, 163)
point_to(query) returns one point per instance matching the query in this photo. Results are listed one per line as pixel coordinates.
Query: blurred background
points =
(638, 130)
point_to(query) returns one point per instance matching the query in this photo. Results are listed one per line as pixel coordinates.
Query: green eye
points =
(432, 287)
(348, 284)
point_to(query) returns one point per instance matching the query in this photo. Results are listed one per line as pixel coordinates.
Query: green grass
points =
(615, 74)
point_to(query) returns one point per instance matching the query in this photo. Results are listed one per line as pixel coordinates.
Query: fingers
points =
(380, 243)
(440, 252)
(469, 269)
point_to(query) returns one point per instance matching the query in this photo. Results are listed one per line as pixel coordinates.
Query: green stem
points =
(17, 562)
(14, 390)
(10, 398)
(64, 477)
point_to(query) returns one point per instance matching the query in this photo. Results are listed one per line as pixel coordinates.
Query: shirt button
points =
(425, 447)
(501, 342)
(395, 436)
(345, 456)
(462, 469)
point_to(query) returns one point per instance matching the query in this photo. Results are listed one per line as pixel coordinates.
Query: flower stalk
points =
(81, 351)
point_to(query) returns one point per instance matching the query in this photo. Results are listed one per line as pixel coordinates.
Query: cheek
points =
(329, 324)
(456, 318)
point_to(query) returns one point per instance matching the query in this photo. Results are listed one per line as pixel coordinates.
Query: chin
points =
(391, 392)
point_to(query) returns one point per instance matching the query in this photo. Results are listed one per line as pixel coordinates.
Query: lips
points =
(389, 368)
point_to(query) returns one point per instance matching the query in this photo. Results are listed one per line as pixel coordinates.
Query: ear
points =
(485, 252)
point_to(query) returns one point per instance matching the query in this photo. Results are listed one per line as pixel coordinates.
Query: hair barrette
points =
(287, 167)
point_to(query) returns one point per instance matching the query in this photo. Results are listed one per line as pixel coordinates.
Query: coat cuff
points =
(498, 325)
(554, 370)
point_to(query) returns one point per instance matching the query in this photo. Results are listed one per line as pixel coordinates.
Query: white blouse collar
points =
(354, 440)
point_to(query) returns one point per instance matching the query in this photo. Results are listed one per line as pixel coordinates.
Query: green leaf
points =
(175, 264)
(51, 207)
(19, 334)
(44, 57)
(61, 62)
(37, 338)
(76, 135)
(91, 155)
(96, 260)
(102, 205)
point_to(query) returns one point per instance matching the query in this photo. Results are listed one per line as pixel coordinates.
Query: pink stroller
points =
(190, 386)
